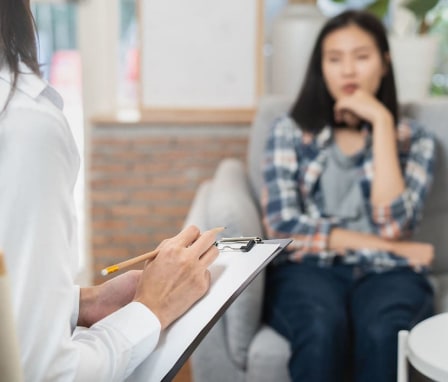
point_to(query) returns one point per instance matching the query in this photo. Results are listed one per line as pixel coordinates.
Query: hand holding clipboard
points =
(231, 273)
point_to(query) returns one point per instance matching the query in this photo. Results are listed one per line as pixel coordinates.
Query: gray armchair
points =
(240, 347)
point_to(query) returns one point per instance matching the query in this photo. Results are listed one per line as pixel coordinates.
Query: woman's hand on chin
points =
(360, 105)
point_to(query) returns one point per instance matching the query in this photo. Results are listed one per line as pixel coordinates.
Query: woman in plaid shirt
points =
(347, 180)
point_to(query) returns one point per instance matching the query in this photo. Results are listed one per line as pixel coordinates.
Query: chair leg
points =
(402, 364)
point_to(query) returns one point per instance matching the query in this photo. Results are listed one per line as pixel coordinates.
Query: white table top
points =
(428, 347)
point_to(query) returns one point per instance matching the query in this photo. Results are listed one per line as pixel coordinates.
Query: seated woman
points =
(347, 180)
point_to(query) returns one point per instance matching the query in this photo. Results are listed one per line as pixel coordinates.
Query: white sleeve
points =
(75, 309)
(38, 168)
(133, 328)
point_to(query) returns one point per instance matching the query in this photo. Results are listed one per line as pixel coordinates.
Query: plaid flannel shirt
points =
(293, 202)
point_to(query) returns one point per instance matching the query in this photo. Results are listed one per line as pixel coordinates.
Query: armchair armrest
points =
(197, 215)
(227, 201)
(231, 203)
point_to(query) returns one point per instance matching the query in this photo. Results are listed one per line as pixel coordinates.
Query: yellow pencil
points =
(127, 263)
(138, 259)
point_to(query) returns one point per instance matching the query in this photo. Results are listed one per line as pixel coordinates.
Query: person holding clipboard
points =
(123, 317)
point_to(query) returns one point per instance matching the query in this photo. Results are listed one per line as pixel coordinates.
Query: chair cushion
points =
(268, 357)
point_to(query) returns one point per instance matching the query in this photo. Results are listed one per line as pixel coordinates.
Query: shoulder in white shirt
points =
(38, 167)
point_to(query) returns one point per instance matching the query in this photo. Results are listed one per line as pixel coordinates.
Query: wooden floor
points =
(184, 374)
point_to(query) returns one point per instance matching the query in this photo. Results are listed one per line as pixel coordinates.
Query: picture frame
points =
(196, 69)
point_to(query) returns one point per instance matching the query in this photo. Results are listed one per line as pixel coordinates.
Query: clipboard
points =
(234, 269)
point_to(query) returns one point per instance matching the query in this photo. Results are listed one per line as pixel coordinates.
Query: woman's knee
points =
(381, 333)
(323, 327)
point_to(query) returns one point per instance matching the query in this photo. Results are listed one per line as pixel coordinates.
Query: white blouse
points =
(39, 163)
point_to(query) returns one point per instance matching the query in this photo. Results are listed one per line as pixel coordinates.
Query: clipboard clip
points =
(243, 244)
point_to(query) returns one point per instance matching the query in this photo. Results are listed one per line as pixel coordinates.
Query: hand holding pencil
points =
(148, 256)
(177, 276)
(174, 277)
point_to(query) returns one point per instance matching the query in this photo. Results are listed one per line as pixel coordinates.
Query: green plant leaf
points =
(421, 7)
(380, 8)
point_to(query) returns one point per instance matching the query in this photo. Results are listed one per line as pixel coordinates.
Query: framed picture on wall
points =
(201, 60)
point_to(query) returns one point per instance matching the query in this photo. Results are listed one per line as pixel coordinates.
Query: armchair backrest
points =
(269, 108)
(432, 113)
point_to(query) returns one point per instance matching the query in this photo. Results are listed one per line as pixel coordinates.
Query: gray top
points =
(341, 190)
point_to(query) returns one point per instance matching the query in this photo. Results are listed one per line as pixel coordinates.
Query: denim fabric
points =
(342, 323)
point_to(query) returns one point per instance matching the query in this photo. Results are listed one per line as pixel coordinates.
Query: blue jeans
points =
(343, 324)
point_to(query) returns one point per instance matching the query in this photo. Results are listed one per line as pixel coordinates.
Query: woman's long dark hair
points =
(313, 109)
(18, 36)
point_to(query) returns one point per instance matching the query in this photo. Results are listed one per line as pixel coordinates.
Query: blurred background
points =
(123, 66)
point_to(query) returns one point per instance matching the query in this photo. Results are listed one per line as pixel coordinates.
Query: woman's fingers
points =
(209, 256)
(205, 241)
(187, 236)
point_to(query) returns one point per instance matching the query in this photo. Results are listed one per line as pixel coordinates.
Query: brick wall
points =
(143, 180)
